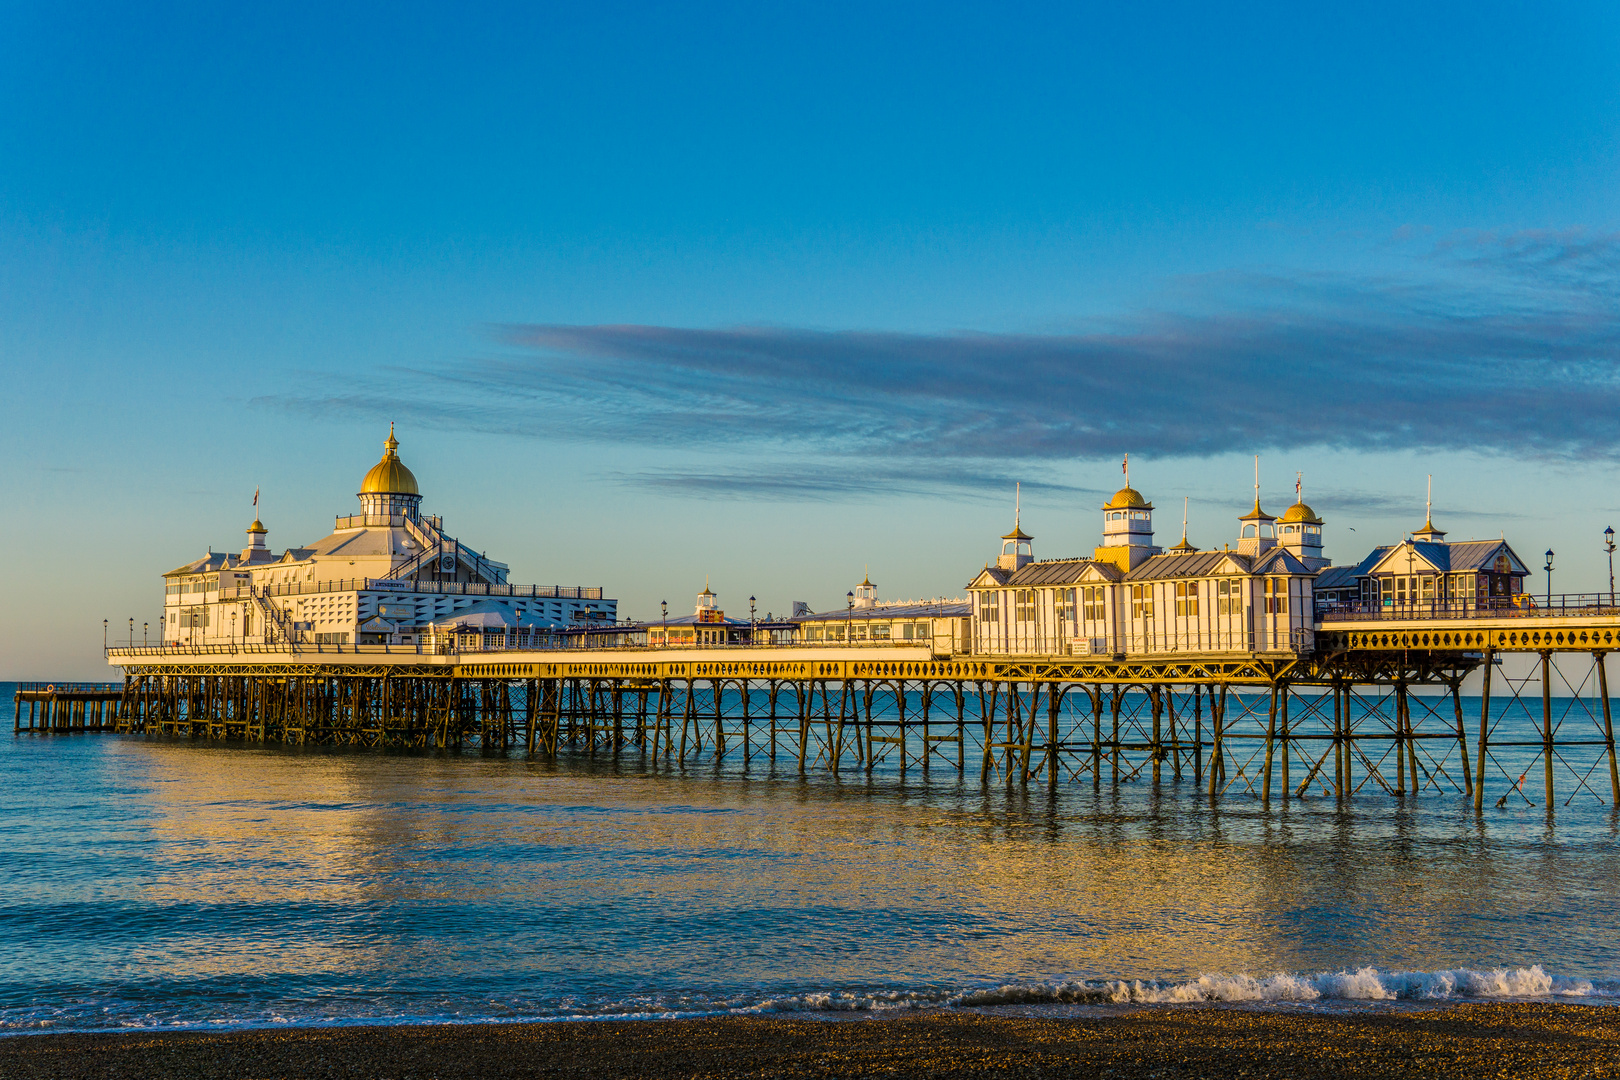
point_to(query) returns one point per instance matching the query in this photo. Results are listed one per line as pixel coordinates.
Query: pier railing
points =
(1521, 605)
(394, 585)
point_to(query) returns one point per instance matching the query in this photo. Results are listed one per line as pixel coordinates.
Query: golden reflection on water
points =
(354, 864)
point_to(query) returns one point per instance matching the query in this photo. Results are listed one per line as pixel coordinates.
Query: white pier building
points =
(387, 575)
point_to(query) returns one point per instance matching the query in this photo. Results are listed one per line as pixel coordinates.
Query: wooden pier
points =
(1367, 710)
(68, 707)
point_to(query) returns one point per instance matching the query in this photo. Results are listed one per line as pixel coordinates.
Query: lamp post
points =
(146, 628)
(103, 637)
(132, 631)
(751, 620)
(1608, 545)
(849, 618)
(664, 605)
(1549, 569)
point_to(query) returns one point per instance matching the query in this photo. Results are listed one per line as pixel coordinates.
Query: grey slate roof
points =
(1208, 563)
(1060, 572)
(943, 609)
(1449, 558)
(1337, 577)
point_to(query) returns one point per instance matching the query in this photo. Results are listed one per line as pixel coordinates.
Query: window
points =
(1024, 605)
(989, 607)
(1228, 597)
(1463, 588)
(1276, 596)
(1428, 586)
(1065, 607)
(1186, 598)
(1092, 602)
(1142, 601)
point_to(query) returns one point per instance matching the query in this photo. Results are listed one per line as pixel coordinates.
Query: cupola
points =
(708, 606)
(256, 551)
(1299, 532)
(1015, 546)
(389, 488)
(1127, 527)
(1429, 534)
(866, 593)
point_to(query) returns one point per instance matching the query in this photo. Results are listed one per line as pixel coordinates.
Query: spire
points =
(1018, 506)
(1184, 500)
(391, 444)
(1429, 534)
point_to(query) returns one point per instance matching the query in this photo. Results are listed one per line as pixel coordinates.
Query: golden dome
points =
(389, 476)
(1127, 497)
(257, 527)
(1301, 513)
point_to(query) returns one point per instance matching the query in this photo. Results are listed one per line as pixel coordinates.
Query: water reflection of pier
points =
(1376, 708)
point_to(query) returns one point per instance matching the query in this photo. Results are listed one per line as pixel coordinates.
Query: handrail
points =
(1521, 606)
(395, 585)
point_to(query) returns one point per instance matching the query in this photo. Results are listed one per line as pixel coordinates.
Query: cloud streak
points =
(1507, 345)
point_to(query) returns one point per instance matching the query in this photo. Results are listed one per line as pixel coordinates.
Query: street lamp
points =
(1608, 545)
(132, 631)
(751, 620)
(664, 604)
(1549, 569)
(145, 629)
(849, 617)
(104, 637)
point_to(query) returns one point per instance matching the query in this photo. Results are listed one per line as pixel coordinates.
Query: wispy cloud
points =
(1500, 344)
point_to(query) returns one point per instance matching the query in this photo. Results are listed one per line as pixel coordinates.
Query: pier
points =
(1375, 705)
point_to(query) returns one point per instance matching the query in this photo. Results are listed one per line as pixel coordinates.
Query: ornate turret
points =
(1299, 532)
(390, 488)
(1127, 527)
(1257, 530)
(866, 593)
(708, 605)
(1015, 546)
(1429, 534)
(256, 551)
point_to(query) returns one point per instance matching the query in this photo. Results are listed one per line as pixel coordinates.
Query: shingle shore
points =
(1473, 1041)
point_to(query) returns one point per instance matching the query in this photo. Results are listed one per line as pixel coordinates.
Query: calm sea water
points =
(151, 883)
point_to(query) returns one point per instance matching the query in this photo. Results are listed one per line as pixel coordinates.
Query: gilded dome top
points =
(1301, 513)
(1125, 498)
(389, 476)
(257, 527)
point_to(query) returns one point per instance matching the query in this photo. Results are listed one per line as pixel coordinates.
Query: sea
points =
(159, 883)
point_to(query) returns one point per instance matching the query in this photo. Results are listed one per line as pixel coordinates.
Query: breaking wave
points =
(1367, 984)
(1347, 990)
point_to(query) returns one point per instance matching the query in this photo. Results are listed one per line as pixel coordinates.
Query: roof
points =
(693, 620)
(1257, 514)
(1127, 498)
(996, 574)
(214, 560)
(1460, 557)
(1337, 577)
(1301, 513)
(1216, 564)
(493, 613)
(1060, 572)
(942, 609)
(389, 476)
(1017, 534)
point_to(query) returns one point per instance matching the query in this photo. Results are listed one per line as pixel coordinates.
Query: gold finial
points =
(391, 444)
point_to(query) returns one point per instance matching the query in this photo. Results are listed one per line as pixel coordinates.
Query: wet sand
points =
(1474, 1041)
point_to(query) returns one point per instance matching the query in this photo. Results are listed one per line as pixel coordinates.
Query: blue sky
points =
(776, 295)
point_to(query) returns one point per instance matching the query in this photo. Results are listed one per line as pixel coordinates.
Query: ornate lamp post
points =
(751, 620)
(132, 631)
(146, 628)
(1608, 545)
(849, 618)
(104, 637)
(1549, 569)
(664, 604)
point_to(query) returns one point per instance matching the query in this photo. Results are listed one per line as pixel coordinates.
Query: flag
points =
(255, 498)
(1125, 466)
(1297, 481)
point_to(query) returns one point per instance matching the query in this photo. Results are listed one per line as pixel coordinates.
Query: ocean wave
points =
(1347, 989)
(1367, 984)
